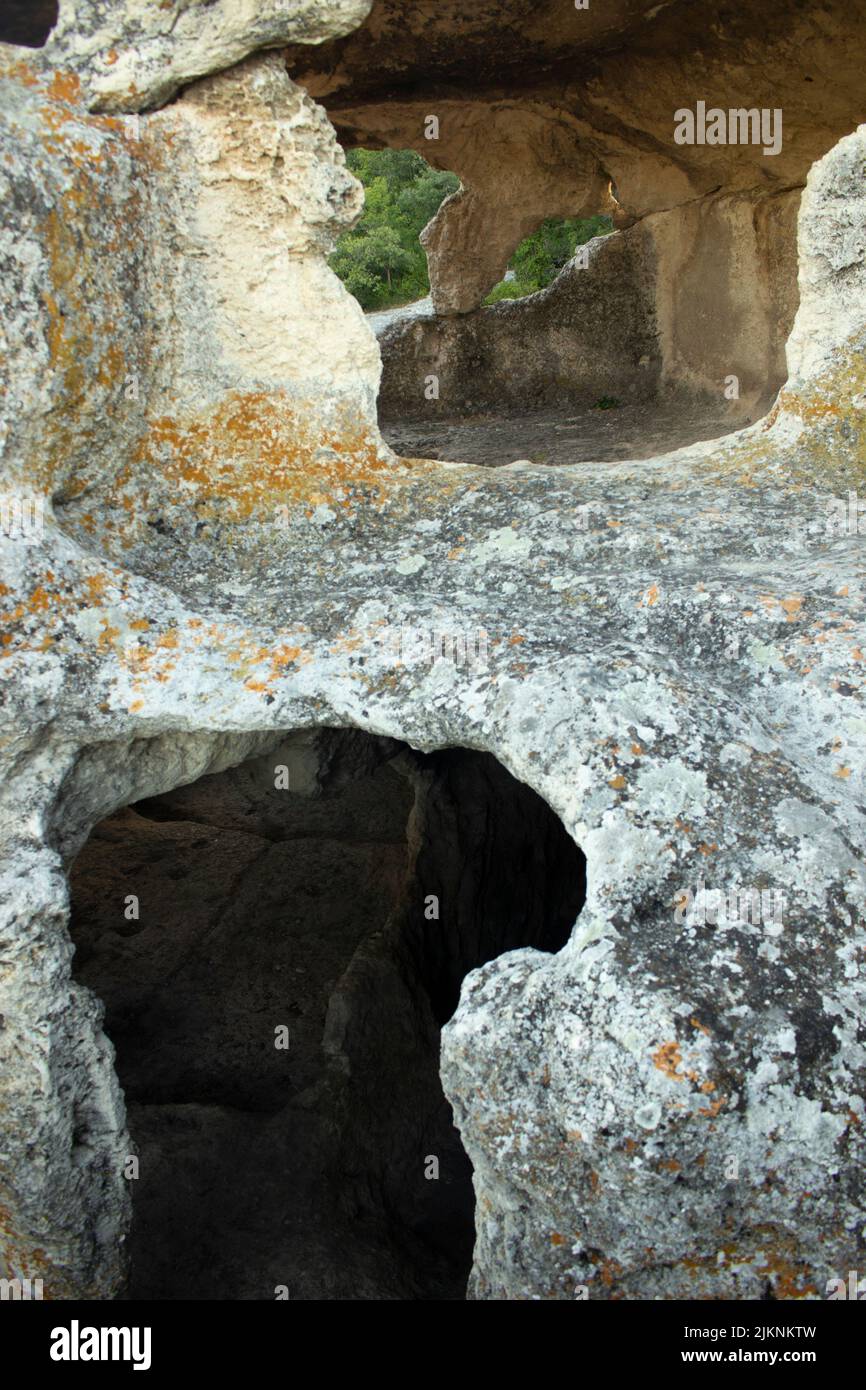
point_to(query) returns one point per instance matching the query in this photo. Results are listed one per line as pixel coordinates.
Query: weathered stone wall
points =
(592, 333)
(169, 318)
(678, 302)
(674, 664)
(726, 295)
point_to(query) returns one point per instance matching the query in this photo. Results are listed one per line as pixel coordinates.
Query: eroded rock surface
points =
(260, 908)
(673, 661)
(135, 54)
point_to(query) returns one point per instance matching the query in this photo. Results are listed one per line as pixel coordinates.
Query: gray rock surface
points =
(674, 658)
(380, 319)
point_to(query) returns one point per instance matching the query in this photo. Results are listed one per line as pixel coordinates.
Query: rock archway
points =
(275, 965)
(680, 321)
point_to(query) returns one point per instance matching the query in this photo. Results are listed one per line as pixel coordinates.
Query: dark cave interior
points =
(228, 918)
(27, 22)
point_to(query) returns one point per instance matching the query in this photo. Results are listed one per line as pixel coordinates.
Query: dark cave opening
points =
(275, 968)
(28, 23)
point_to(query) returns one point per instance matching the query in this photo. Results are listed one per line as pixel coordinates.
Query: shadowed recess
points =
(27, 22)
(226, 919)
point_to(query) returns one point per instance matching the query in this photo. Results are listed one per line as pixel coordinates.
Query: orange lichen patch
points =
(637, 750)
(136, 706)
(19, 70)
(39, 600)
(651, 597)
(557, 1239)
(138, 659)
(812, 409)
(708, 849)
(108, 636)
(842, 773)
(610, 1271)
(96, 584)
(670, 1165)
(668, 1059)
(789, 1280)
(284, 656)
(792, 606)
(348, 643)
(257, 450)
(112, 364)
(772, 1254)
(702, 1027)
(617, 782)
(515, 639)
(65, 86)
(712, 1110)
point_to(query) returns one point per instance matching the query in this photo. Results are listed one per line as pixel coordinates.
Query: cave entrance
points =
(27, 23)
(275, 963)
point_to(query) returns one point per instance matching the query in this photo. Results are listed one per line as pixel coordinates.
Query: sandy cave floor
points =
(635, 430)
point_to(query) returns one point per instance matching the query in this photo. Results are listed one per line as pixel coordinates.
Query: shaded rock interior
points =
(260, 908)
(27, 22)
(656, 337)
(606, 432)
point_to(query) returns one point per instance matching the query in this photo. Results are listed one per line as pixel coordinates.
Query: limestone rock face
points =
(676, 303)
(169, 310)
(674, 662)
(136, 54)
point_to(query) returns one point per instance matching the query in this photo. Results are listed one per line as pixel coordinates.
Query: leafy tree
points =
(420, 200)
(381, 261)
(540, 257)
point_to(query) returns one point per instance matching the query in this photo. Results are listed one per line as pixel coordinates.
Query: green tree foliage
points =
(381, 261)
(541, 256)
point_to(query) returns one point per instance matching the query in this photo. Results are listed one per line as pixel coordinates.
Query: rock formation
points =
(208, 549)
(552, 110)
